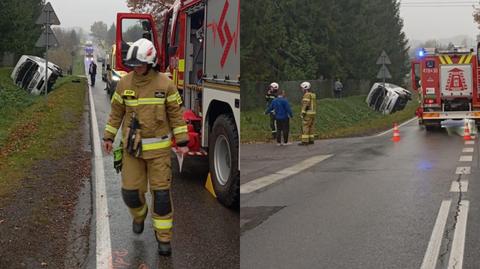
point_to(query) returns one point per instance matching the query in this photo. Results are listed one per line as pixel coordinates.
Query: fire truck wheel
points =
(223, 161)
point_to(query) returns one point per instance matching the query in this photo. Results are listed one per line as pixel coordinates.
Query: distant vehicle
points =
(89, 51)
(29, 74)
(448, 84)
(388, 99)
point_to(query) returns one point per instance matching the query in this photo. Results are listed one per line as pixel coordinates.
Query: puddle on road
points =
(251, 217)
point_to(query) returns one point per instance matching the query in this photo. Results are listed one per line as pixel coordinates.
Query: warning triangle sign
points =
(52, 40)
(383, 59)
(384, 73)
(48, 16)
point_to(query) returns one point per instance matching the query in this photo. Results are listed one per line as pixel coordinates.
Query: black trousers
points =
(338, 94)
(92, 79)
(283, 126)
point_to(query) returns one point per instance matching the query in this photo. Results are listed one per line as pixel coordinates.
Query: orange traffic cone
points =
(466, 133)
(396, 133)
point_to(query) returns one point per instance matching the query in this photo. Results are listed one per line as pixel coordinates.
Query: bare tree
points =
(154, 7)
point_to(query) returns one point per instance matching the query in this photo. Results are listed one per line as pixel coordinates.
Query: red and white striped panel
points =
(197, 153)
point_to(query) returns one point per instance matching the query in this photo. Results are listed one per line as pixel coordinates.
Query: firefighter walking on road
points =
(309, 101)
(148, 104)
(271, 94)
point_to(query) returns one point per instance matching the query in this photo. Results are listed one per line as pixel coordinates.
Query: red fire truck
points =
(199, 45)
(448, 85)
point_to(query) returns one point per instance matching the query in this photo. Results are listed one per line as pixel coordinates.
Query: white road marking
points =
(458, 244)
(103, 244)
(467, 150)
(466, 158)
(433, 249)
(471, 142)
(456, 187)
(391, 130)
(463, 170)
(262, 182)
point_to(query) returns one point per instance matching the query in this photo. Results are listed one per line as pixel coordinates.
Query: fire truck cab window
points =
(133, 30)
(430, 64)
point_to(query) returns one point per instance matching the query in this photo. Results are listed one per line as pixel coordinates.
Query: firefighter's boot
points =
(164, 248)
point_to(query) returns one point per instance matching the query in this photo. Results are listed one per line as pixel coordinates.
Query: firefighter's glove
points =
(117, 158)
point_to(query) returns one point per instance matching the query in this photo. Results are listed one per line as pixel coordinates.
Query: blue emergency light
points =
(421, 53)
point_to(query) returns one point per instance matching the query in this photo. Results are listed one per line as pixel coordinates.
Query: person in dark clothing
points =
(92, 70)
(338, 88)
(282, 113)
(271, 94)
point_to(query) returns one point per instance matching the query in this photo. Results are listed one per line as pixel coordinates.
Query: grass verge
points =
(31, 126)
(78, 65)
(335, 118)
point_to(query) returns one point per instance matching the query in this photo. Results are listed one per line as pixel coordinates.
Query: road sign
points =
(384, 73)
(383, 59)
(48, 16)
(52, 40)
(47, 39)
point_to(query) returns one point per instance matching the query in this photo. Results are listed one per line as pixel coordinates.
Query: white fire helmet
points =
(274, 85)
(141, 52)
(305, 85)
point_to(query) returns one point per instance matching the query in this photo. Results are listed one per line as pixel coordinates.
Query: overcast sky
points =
(83, 13)
(424, 21)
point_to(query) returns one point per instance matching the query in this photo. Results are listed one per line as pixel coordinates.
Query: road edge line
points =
(103, 243)
(262, 182)
(391, 130)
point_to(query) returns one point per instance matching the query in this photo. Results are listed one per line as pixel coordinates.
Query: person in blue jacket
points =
(282, 112)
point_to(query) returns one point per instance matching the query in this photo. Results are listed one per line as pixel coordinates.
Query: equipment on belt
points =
(134, 141)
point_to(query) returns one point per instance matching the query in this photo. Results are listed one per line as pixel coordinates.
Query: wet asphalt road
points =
(373, 204)
(206, 234)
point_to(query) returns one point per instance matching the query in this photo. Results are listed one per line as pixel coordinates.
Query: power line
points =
(435, 6)
(439, 4)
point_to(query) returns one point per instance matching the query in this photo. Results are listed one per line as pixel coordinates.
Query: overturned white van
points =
(29, 74)
(388, 99)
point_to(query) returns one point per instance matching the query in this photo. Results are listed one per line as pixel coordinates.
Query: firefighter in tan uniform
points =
(309, 102)
(146, 105)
